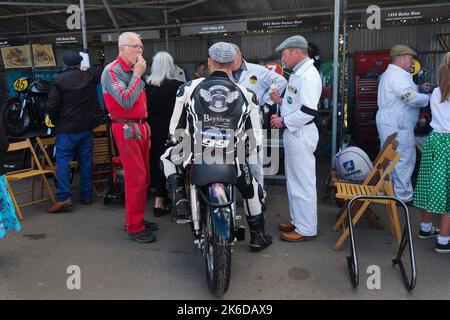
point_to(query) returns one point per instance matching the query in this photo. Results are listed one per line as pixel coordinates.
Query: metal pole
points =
(344, 60)
(111, 15)
(335, 78)
(147, 4)
(30, 43)
(166, 30)
(193, 3)
(83, 26)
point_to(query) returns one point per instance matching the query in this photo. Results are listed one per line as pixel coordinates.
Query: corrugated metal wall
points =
(187, 52)
(421, 37)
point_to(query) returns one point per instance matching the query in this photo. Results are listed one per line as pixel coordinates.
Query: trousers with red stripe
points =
(133, 142)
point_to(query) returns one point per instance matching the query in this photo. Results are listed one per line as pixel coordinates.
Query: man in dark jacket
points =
(72, 102)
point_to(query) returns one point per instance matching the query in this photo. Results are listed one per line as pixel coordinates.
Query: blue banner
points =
(46, 75)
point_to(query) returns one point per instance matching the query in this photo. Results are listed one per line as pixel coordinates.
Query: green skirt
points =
(433, 183)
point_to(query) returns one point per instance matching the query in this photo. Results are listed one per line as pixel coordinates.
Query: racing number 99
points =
(211, 143)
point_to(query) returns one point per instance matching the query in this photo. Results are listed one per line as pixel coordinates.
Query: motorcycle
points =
(211, 195)
(28, 109)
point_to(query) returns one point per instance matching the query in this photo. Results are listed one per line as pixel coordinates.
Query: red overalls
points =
(126, 102)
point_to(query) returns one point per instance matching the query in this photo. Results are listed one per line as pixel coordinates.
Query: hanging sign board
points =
(213, 28)
(413, 14)
(282, 24)
(66, 39)
(145, 35)
(410, 14)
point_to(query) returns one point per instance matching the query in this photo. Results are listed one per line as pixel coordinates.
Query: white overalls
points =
(300, 141)
(398, 111)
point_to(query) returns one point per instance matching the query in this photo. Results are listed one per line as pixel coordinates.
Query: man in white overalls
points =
(399, 103)
(299, 107)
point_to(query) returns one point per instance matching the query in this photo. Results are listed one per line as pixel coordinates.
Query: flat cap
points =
(293, 42)
(222, 52)
(401, 50)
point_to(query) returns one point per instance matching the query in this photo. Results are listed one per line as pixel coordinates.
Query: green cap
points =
(401, 50)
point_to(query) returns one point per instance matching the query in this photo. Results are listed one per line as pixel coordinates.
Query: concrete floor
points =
(33, 263)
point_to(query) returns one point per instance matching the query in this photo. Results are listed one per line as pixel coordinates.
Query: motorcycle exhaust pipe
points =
(195, 209)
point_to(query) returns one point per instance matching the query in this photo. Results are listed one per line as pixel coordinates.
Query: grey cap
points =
(293, 42)
(222, 52)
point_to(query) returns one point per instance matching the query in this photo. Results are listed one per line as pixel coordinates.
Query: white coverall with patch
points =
(398, 111)
(300, 141)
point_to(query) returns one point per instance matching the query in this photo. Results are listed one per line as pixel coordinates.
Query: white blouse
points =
(440, 112)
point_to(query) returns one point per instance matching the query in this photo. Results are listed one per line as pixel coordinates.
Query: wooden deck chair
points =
(32, 172)
(378, 182)
(48, 162)
(101, 156)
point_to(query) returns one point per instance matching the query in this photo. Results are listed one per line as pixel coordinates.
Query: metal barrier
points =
(352, 260)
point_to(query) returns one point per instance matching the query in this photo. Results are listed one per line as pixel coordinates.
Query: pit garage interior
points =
(34, 261)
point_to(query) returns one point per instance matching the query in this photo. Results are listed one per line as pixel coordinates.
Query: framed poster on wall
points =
(16, 57)
(43, 55)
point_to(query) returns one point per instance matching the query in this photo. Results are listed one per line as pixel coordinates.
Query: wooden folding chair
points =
(47, 160)
(378, 182)
(369, 214)
(32, 172)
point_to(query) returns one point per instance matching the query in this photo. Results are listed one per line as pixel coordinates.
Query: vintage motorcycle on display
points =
(28, 109)
(211, 193)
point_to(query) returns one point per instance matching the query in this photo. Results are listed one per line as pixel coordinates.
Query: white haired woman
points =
(162, 88)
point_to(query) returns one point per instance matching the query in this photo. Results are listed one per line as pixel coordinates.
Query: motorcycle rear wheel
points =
(11, 121)
(218, 267)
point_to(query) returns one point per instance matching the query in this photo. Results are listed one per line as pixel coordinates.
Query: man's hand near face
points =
(139, 67)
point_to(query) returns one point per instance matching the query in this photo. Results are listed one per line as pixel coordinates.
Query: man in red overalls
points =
(125, 99)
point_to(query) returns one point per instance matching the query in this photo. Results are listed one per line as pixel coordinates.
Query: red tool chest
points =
(368, 67)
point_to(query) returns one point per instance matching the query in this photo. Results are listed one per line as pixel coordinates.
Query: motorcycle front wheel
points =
(11, 118)
(218, 267)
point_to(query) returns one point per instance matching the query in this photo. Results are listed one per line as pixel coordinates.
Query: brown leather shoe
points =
(59, 205)
(295, 237)
(286, 227)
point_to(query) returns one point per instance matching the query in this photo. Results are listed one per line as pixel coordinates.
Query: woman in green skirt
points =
(432, 191)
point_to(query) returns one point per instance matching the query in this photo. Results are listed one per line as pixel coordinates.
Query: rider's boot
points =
(259, 240)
